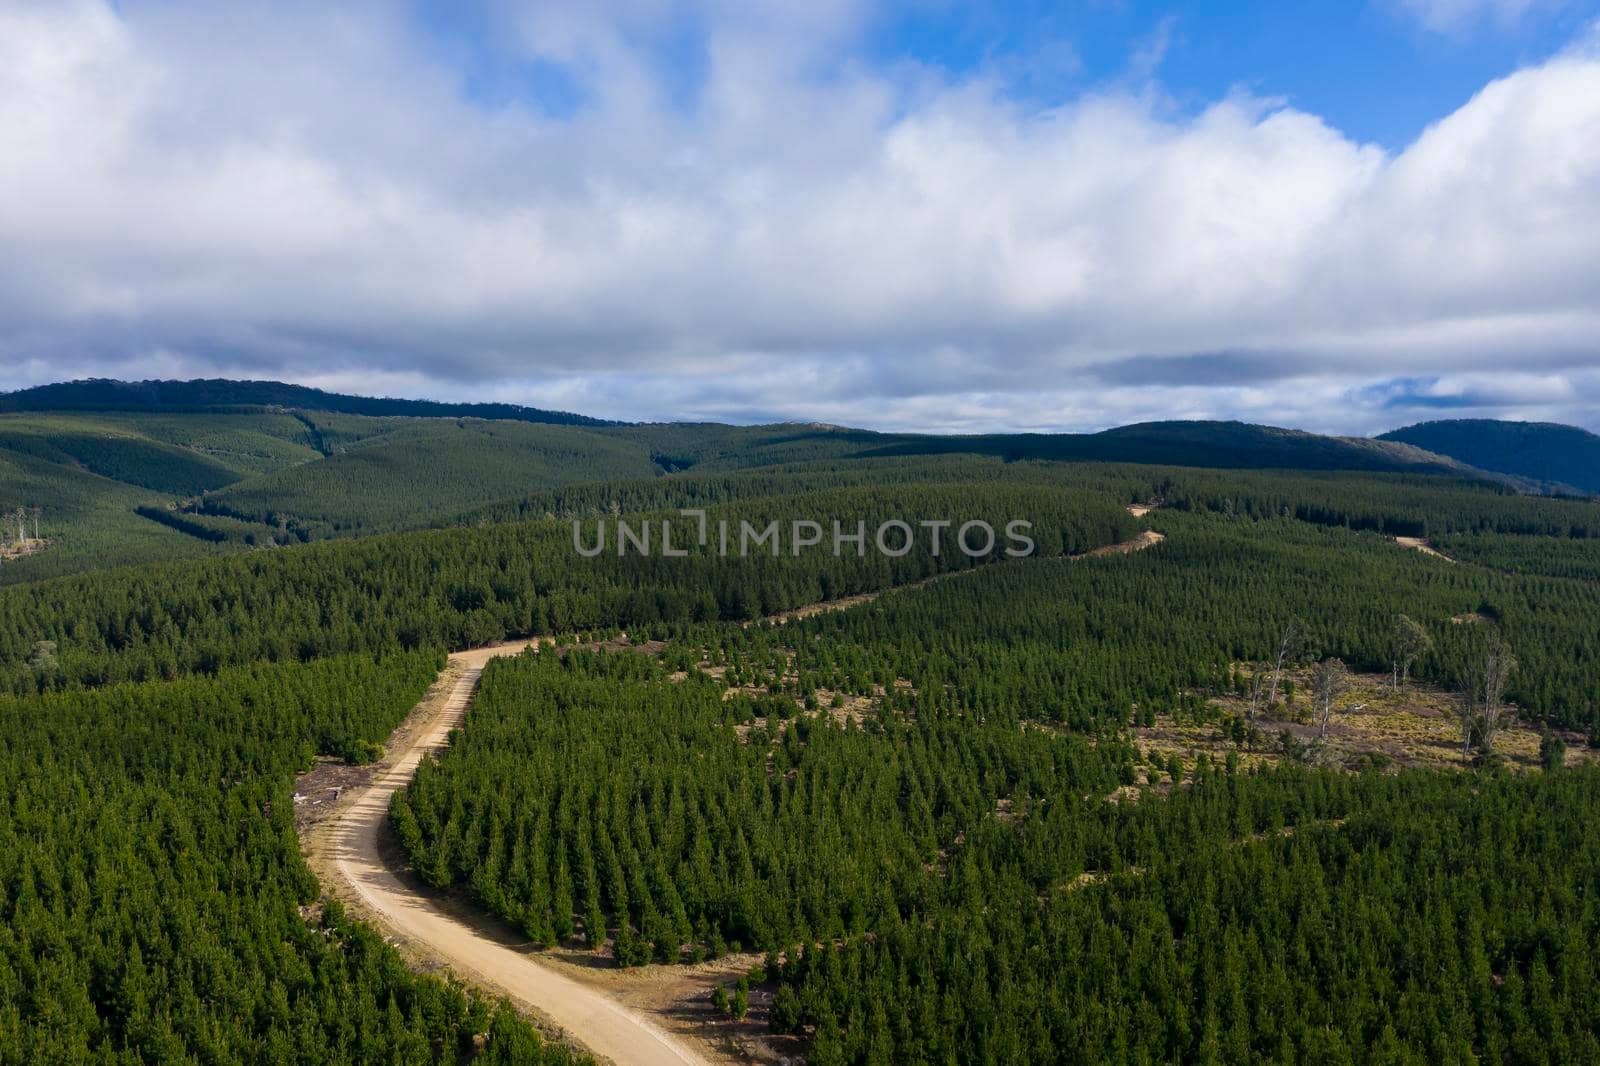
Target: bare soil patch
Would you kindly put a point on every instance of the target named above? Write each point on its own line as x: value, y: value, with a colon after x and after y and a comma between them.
x: 1147, y: 539
x: 680, y: 998
x: 1420, y: 544
x: 317, y: 791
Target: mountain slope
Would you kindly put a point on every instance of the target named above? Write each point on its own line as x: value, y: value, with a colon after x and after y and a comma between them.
x: 1543, y: 451
x: 88, y: 521
x: 104, y: 394
x: 1233, y: 445
x: 125, y: 472
x: 716, y: 446
x: 92, y: 475
x: 1237, y: 445
x: 424, y: 471
x: 124, y: 487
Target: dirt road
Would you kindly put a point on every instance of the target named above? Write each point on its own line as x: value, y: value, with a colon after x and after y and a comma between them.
x: 1421, y: 545
x: 349, y: 844
x: 345, y: 850
x: 1147, y: 539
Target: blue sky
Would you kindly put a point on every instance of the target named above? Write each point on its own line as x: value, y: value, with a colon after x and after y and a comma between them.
x: 1374, y: 70
x: 1379, y: 70
x: 912, y: 215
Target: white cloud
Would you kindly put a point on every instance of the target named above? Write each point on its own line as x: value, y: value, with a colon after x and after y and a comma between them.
x: 280, y: 191
x: 1455, y: 16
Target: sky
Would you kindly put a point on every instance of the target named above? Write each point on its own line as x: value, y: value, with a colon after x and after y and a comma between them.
x: 920, y: 215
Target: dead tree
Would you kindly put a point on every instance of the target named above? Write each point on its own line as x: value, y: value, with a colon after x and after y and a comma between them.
x: 1482, y: 700
x: 1408, y: 642
x: 22, y: 530
x: 1329, y: 680
x: 1288, y: 651
x: 1255, y: 696
x: 36, y: 523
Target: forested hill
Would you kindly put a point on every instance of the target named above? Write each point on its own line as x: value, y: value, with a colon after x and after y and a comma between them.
x: 123, y: 473
x: 680, y: 445
x: 1226, y: 445
x: 1543, y: 451
x: 103, y: 394
x: 1235, y: 445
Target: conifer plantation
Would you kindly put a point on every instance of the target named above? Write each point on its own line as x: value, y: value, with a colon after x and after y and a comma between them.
x: 941, y: 877
x: 800, y: 578
x: 931, y: 814
x: 153, y: 903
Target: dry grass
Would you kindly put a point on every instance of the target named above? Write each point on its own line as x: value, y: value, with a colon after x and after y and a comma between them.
x: 679, y: 998
x: 1416, y: 727
x: 17, y: 549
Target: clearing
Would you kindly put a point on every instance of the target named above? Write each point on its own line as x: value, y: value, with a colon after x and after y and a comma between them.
x: 18, y: 548
x: 1372, y: 724
x: 1421, y: 544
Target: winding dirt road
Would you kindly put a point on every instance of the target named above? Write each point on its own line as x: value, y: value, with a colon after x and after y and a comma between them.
x: 346, y: 852
x: 348, y: 846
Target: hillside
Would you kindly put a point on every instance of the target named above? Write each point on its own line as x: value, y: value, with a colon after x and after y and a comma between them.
x: 1542, y: 451
x: 86, y: 521
x: 1230, y: 445
x: 1227, y: 445
x: 133, y: 472
x: 676, y: 446
x: 424, y: 471
x: 121, y: 487
x: 104, y: 394
x: 89, y: 474
x: 1037, y: 767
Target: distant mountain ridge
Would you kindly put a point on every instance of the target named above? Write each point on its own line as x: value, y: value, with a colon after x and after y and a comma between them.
x: 130, y: 472
x: 682, y: 445
x: 1547, y: 452
x: 106, y: 394
x: 1240, y: 445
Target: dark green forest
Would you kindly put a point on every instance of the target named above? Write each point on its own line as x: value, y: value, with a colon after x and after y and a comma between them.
x: 152, y: 892
x: 904, y: 806
x: 462, y: 588
x: 936, y: 884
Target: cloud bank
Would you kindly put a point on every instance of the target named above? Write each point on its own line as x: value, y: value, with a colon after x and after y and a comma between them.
x: 322, y: 195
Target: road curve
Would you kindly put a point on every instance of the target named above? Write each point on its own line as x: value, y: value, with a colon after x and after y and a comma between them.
x: 348, y: 845
x: 603, y: 1026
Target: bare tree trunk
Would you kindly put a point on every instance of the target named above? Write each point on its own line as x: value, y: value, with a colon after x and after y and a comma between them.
x: 1498, y: 664
x: 1483, y: 701
x: 1329, y: 680
x: 1284, y: 646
